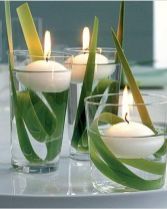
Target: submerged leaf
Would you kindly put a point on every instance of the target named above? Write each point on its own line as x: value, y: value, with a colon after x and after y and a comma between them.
x: 114, y: 168
x: 80, y: 121
x: 24, y: 141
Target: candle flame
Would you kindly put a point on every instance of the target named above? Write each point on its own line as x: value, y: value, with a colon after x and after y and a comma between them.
x: 85, y: 38
x: 125, y: 102
x: 47, y: 45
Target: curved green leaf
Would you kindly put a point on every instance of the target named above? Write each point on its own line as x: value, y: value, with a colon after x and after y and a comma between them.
x: 58, y: 104
x: 80, y: 121
x: 100, y: 89
x: 24, y: 141
x: 113, y: 168
x: 39, y: 120
x: 146, y: 165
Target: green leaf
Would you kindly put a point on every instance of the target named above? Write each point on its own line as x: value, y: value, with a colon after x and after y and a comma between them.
x: 29, y: 31
x: 146, y: 165
x: 79, y: 126
x: 24, y: 141
x: 102, y: 86
x: 9, y: 32
x: 58, y: 104
x: 133, y: 85
x: 40, y: 121
x: 113, y: 168
x: 120, y: 27
x: 120, y: 34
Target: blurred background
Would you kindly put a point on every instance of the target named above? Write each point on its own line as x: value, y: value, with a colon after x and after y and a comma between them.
x: 66, y: 20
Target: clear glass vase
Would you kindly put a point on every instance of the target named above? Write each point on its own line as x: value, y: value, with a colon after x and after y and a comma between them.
x: 106, y: 79
x: 127, y: 151
x: 39, y: 92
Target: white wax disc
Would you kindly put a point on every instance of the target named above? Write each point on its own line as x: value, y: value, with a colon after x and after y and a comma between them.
x: 45, y: 76
x: 133, y: 140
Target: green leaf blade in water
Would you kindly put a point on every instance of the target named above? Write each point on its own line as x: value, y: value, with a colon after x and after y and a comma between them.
x: 24, y: 141
x: 114, y: 168
x: 58, y: 104
x: 101, y: 87
x: 79, y: 126
x: 39, y: 120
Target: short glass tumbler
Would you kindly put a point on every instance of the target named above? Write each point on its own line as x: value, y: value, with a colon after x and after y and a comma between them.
x: 106, y: 79
x: 127, y: 142
x: 39, y: 92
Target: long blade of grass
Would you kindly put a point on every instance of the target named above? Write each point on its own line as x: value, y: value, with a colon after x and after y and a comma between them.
x: 120, y: 35
x: 9, y: 31
x: 120, y: 27
x: 79, y: 127
x: 29, y: 30
x: 24, y: 141
x: 133, y: 85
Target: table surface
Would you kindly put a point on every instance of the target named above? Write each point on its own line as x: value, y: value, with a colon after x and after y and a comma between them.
x: 70, y: 186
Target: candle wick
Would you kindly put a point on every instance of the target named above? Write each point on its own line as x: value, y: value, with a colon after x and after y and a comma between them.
x: 86, y: 50
x: 47, y: 57
x: 99, y: 50
x: 126, y: 118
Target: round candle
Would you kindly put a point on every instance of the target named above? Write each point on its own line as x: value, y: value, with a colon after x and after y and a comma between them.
x: 45, y: 75
x: 131, y: 139
x: 102, y: 67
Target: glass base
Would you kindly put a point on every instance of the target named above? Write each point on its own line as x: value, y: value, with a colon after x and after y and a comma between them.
x: 111, y: 187
x: 80, y: 156
x: 27, y: 168
x: 103, y: 184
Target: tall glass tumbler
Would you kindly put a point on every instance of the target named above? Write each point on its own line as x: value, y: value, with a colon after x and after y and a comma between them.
x: 39, y: 95
x: 106, y: 79
x: 127, y: 142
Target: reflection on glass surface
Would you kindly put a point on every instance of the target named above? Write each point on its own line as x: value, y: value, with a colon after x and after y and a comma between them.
x: 54, y: 183
x: 72, y: 178
x: 79, y: 177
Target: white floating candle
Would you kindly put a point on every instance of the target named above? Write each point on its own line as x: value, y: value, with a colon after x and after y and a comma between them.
x: 45, y: 75
x: 102, y: 68
x: 131, y: 140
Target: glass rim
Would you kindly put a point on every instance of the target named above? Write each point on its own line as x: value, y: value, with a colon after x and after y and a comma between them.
x: 110, y: 62
x: 54, y: 53
x: 153, y: 136
x: 161, y: 102
x: 79, y: 49
x: 42, y: 71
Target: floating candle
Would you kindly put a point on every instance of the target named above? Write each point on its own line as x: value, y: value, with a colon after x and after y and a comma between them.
x: 45, y: 75
x: 102, y: 67
x: 131, y: 139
